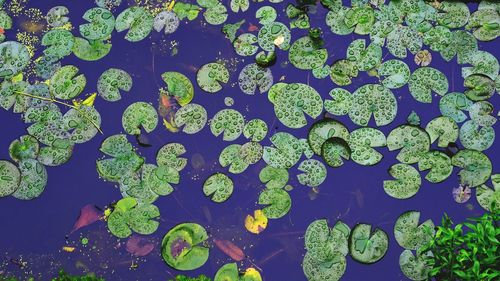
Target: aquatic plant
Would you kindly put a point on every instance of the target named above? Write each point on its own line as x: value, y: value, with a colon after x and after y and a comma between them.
x: 465, y: 251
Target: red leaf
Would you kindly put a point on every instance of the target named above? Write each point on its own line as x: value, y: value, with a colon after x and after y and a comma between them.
x: 230, y: 249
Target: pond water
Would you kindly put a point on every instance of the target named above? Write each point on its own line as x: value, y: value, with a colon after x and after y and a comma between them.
x: 34, y: 232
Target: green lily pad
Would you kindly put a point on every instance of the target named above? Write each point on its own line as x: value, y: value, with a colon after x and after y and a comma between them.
x: 304, y: 54
x: 412, y: 140
x: 342, y: 71
x: 10, y: 178
x: 218, y: 187
x: 366, y: 246
x: 453, y: 104
x: 285, y: 153
x: 183, y: 246
x: 362, y: 142
x: 396, y: 72
x: 179, y: 86
x: 426, y: 80
x: 101, y: 24
x: 137, y: 20
x: 66, y: 84
x: 406, y: 183
x: 475, y: 167
x: 365, y: 57
x: 26, y: 147
x: 415, y: 268
x: 82, y: 124
x: 439, y: 164
x: 192, y: 116
x: 323, y: 130
x: 227, y: 121
x: 273, y: 33
x: 334, y: 150
x: 227, y: 272
x: 168, y: 156
x: 255, y: 129
x: 253, y: 76
x: 90, y: 50
x: 15, y: 57
x: 274, y: 177
x: 58, y: 43
x: 210, y: 75
x: 216, y: 14
x: 314, y: 173
x: 373, y: 99
x: 111, y: 82
x: 33, y: 180
x: 139, y: 115
x: 277, y: 201
x: 295, y: 100
x: 411, y: 235
x: 472, y: 136
x: 341, y: 102
x: 443, y: 129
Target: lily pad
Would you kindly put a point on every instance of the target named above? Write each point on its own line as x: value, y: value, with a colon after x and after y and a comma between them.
x: 373, y: 99
x: 192, y: 116
x: 210, y: 75
x: 10, y: 178
x: 366, y: 246
x: 253, y: 76
x: 293, y: 101
x: 33, y: 180
x: 411, y: 235
x: 475, y: 167
x: 182, y: 247
x: 219, y: 187
x: 111, y: 82
x: 426, y: 80
x: 439, y: 165
x: 278, y: 203
x: 139, y: 115
x: 406, y: 184
x: 227, y: 121
x: 314, y: 173
x: 137, y: 20
x: 412, y: 140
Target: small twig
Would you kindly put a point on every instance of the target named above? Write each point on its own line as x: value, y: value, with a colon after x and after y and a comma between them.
x: 65, y: 104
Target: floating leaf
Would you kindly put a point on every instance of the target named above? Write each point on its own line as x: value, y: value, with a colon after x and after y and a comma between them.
x: 406, y: 184
x: 216, y: 14
x: 266, y: 15
x: 228, y: 271
x: 227, y: 121
x: 439, y: 164
x: 253, y: 76
x: 255, y: 129
x: 33, y: 180
x: 488, y: 198
x: 443, y: 129
x: 472, y: 136
x: 237, y: 5
x: 362, y: 141
x: 257, y: 223
x: 192, y: 116
x: 182, y: 246
x: 485, y: 24
x: 168, y: 156
x: 409, y: 234
x: 424, y: 81
x: 361, y: 18
x: 452, y: 14
x: 476, y: 167
x: 480, y: 113
x: 397, y: 73
x: 66, y: 84
x: 82, y: 124
x: 271, y: 33
x: 90, y: 50
x: 336, y: 20
x: 323, y: 130
x: 334, y: 150
x: 210, y: 75
x: 27, y: 147
x: 15, y: 57
x: 137, y: 20
x: 412, y: 140
x: 373, y: 99
x: 179, y: 86
x: 415, y: 268
x: 111, y: 82
x: 278, y: 202
x: 10, y: 178
x: 166, y: 21
x: 58, y: 43
x: 304, y: 54
x: 341, y: 102
x: 483, y: 63
x: 342, y: 71
x: 401, y: 39
x: 102, y: 24
x: 219, y: 187
x: 293, y: 101
x: 314, y: 173
x: 139, y: 115
x: 364, y: 57
x: 274, y: 177
x: 57, y: 16
x: 366, y: 246
x: 453, y: 104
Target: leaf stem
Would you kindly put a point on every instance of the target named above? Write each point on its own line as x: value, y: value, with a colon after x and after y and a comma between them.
x: 65, y: 104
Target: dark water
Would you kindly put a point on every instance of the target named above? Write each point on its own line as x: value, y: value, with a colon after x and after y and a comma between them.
x: 34, y: 231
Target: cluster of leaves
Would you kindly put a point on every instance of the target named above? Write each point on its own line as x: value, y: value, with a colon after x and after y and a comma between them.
x: 465, y: 251
x: 64, y: 276
x: 327, y: 248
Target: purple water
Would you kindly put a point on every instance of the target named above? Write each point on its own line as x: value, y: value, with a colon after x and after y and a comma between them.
x: 35, y: 231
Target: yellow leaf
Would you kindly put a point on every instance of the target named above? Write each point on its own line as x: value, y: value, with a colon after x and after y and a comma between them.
x: 252, y: 274
x: 257, y: 223
x: 171, y: 5
x: 68, y: 249
x: 19, y: 77
x: 170, y: 126
x: 107, y: 212
x: 90, y: 100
